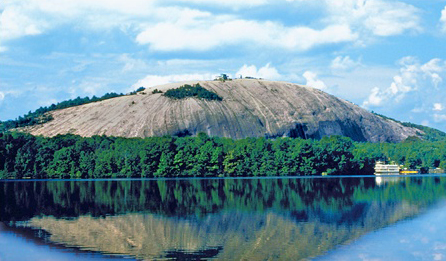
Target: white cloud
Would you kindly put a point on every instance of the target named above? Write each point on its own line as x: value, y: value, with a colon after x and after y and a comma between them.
x: 16, y: 21
x: 343, y: 63
x: 356, y: 83
x: 375, y: 98
x: 432, y: 69
x: 313, y: 81
x: 412, y: 78
x: 72, y: 8
x: 377, y: 17
x: 392, y: 19
x: 155, y: 80
x: 415, y: 93
x: 164, y: 27
x: 266, y: 72
x: 167, y: 26
x: 33, y: 17
x: 2, y: 96
x: 205, y: 34
x: 443, y: 19
x: 438, y: 107
x: 230, y: 3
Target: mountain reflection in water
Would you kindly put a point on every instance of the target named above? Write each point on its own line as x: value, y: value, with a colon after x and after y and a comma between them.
x: 215, y: 218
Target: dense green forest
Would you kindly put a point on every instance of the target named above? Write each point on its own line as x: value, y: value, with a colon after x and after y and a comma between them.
x: 192, y: 91
x: 70, y: 156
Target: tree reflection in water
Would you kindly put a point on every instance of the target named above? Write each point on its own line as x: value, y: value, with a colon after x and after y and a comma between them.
x: 226, y: 218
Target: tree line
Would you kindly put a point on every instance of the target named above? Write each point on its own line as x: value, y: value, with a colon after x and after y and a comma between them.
x: 70, y: 156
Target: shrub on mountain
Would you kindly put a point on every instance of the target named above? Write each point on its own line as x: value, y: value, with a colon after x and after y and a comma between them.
x: 195, y: 91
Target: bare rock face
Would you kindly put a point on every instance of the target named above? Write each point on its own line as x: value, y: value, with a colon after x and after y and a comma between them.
x: 250, y: 108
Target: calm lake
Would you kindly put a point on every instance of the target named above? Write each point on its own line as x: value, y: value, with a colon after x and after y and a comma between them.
x: 379, y: 218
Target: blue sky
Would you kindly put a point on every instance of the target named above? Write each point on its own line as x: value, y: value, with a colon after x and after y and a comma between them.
x: 386, y: 56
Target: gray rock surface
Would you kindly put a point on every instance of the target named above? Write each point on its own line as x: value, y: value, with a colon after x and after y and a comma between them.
x: 250, y: 108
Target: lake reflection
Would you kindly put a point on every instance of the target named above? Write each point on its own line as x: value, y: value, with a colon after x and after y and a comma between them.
x: 251, y: 219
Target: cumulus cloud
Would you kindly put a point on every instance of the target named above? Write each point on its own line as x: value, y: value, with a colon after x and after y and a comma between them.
x: 412, y: 78
x: 438, y: 107
x: 206, y: 34
x: 265, y: 72
x: 415, y: 93
x: 229, y: 3
x: 343, y: 63
x: 17, y: 21
x: 169, y: 26
x: 443, y: 19
x: 155, y: 80
x: 165, y: 27
x: 313, y: 81
x: 375, y: 98
x: 432, y: 69
x: 380, y: 18
x: 33, y: 17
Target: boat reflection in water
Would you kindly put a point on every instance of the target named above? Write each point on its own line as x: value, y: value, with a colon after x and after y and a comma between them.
x: 382, y: 180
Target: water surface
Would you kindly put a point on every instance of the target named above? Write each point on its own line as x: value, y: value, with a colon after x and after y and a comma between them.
x: 253, y: 219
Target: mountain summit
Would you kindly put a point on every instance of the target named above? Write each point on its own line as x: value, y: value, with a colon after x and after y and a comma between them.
x: 240, y: 108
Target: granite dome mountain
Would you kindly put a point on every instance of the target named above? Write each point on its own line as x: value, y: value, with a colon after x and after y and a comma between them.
x: 247, y: 108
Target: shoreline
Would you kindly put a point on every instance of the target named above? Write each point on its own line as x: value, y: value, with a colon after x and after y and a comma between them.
x: 230, y: 178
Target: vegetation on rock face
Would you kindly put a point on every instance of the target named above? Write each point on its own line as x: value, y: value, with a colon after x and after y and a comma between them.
x: 430, y: 134
x: 195, y: 90
x: 140, y: 89
x: 39, y: 116
x: 29, y: 119
x: 70, y: 156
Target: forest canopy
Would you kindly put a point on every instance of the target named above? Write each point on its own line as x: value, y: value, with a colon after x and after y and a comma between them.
x: 70, y: 156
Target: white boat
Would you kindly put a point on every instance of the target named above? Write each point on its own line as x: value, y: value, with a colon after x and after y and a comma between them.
x: 386, y: 169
